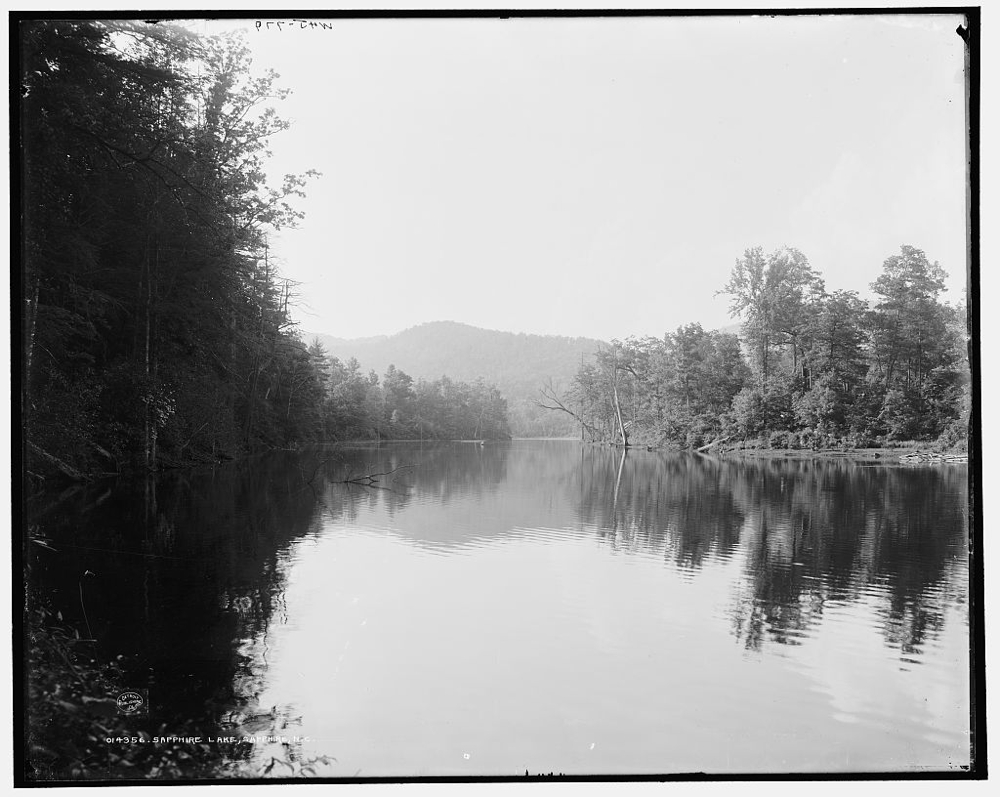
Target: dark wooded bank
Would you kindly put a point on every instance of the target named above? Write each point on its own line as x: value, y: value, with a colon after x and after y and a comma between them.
x: 156, y: 328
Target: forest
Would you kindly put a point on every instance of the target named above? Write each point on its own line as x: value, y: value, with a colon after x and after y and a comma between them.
x: 518, y: 363
x: 810, y: 368
x: 157, y: 329
x: 156, y: 326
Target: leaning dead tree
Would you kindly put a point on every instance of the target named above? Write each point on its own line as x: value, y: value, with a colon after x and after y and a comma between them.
x: 549, y: 400
x: 615, y: 375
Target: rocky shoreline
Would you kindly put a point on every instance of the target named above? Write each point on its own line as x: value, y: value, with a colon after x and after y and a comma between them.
x: 881, y: 455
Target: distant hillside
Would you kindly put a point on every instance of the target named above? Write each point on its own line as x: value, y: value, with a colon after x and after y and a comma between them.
x: 518, y: 364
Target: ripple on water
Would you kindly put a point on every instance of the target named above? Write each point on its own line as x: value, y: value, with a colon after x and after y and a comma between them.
x: 531, y: 609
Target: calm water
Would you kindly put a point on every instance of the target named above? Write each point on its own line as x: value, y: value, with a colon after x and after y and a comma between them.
x: 537, y: 606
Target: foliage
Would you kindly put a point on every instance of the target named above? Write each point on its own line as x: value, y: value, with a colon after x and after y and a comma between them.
x: 814, y: 369
x: 156, y: 326
x: 155, y: 323
x: 518, y: 364
x: 357, y: 406
x: 774, y: 294
x: 72, y: 715
x: 914, y: 348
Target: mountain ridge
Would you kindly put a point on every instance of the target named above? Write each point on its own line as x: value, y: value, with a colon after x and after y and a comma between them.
x: 519, y: 363
x: 446, y: 323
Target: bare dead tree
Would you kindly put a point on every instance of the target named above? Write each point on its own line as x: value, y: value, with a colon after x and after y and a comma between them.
x: 549, y: 400
x: 622, y: 427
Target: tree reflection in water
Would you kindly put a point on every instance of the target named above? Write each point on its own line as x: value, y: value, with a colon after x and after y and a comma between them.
x: 191, y: 567
x: 812, y: 532
x: 186, y: 567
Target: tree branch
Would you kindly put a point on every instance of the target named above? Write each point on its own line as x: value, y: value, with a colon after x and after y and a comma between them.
x: 371, y: 479
x: 548, y: 393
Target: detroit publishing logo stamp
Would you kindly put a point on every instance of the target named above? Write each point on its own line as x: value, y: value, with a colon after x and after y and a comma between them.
x: 130, y: 702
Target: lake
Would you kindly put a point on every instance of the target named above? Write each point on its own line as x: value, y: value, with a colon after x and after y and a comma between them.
x: 533, y: 606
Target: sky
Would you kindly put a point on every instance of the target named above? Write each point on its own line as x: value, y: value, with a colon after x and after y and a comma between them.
x: 600, y: 177
x: 880, y: 134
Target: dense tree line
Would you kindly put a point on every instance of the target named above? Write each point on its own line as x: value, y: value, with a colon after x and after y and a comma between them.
x: 354, y: 405
x: 156, y: 327
x: 810, y: 368
x: 516, y: 362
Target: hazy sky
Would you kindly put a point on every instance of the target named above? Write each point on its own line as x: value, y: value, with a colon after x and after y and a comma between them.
x: 600, y: 177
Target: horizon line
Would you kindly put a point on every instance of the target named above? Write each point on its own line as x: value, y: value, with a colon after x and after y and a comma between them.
x: 313, y: 333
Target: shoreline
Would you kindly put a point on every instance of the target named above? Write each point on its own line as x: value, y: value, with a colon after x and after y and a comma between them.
x: 909, y: 454
x: 904, y: 454
x: 874, y: 455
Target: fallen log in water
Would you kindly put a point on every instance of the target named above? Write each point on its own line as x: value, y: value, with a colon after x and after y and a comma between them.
x: 371, y: 479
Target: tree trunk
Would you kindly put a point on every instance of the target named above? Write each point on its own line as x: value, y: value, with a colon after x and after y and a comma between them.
x: 618, y: 483
x: 618, y: 409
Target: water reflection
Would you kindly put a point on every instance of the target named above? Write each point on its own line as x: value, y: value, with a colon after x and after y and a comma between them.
x: 813, y: 531
x: 183, y: 567
x: 680, y: 503
x: 820, y: 532
x: 194, y: 573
